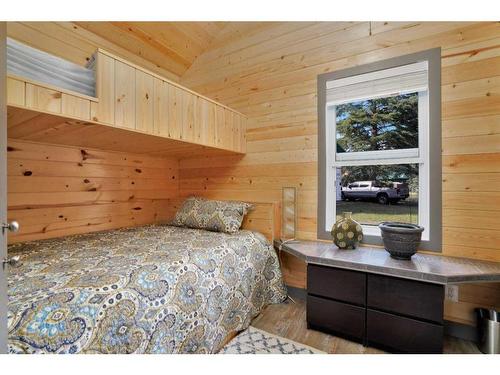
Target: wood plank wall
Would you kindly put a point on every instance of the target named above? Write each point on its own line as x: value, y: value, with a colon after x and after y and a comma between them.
x: 60, y: 190
x: 74, y: 43
x: 270, y: 75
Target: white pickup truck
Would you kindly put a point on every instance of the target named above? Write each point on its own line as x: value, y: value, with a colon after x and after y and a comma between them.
x: 383, y: 193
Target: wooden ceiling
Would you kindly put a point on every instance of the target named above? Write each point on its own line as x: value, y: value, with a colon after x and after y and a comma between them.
x: 172, y: 45
x: 166, y: 48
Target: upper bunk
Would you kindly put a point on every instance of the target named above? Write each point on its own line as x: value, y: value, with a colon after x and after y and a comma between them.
x: 112, y: 104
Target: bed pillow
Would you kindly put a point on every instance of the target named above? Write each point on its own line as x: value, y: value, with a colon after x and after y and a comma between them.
x: 215, y: 216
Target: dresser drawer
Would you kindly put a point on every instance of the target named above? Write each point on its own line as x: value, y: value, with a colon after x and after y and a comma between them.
x: 336, y: 317
x: 339, y: 284
x: 403, y: 334
x: 406, y: 297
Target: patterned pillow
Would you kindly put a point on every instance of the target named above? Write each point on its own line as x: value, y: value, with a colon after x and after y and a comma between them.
x: 215, y: 216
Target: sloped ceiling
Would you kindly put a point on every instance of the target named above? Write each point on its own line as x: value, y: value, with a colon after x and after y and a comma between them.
x: 172, y: 45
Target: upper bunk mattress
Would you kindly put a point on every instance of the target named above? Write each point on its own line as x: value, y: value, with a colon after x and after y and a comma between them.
x: 152, y: 289
x: 25, y: 61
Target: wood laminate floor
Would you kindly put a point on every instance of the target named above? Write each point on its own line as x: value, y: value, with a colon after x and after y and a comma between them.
x: 288, y: 320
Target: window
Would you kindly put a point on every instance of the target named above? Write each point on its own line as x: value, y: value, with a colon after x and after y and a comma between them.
x: 393, y: 196
x: 380, y: 149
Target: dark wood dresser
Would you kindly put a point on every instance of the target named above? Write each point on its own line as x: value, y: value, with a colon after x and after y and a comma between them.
x: 367, y: 296
x: 388, y: 312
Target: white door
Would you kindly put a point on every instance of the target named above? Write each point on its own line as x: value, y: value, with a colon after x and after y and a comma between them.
x: 3, y: 191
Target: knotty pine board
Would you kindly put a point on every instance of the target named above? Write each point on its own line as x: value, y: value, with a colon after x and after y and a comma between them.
x: 270, y: 76
x: 56, y: 190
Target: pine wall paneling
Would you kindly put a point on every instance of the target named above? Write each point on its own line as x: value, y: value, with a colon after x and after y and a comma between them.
x: 60, y: 190
x: 270, y: 76
x: 172, y: 45
x: 77, y: 44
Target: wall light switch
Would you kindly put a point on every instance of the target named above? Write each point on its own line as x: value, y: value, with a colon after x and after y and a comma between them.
x: 451, y: 293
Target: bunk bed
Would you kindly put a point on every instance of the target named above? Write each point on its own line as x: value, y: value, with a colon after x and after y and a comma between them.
x: 114, y: 105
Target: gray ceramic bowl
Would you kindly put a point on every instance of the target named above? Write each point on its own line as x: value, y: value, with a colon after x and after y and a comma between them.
x: 401, y: 240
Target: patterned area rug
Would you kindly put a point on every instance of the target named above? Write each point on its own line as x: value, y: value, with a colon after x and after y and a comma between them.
x: 255, y: 341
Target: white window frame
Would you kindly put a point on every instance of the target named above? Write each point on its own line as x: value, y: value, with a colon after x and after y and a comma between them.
x: 418, y: 156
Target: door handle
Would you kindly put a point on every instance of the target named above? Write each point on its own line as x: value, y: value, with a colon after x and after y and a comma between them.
x: 13, y: 226
x: 14, y: 261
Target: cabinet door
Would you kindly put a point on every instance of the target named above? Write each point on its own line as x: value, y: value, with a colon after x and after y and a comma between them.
x: 75, y: 107
x: 343, y: 285
x: 174, y: 112
x: 336, y: 317
x: 211, y: 123
x: 227, y: 137
x: 124, y: 95
x: 407, y: 297
x: 243, y: 134
x: 236, y: 132
x: 200, y: 121
x: 219, y: 126
x: 104, y: 110
x: 144, y: 101
x: 43, y: 99
x: 160, y: 121
x: 187, y: 131
x: 403, y: 334
x: 15, y: 92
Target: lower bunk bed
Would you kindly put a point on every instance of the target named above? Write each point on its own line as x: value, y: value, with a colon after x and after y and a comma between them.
x: 151, y: 289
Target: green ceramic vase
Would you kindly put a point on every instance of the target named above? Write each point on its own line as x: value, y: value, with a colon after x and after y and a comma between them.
x: 346, y: 232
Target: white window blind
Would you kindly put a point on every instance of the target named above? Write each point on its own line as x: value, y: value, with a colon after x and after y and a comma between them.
x: 395, y: 81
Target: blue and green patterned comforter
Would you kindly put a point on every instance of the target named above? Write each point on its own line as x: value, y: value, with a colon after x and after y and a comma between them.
x: 153, y: 289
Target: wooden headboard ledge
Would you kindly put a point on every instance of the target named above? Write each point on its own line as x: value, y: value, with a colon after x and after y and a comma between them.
x: 265, y: 217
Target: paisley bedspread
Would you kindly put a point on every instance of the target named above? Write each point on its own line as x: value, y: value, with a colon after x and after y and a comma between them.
x: 152, y: 289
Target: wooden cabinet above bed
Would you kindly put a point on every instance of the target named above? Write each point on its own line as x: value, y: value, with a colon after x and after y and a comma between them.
x: 135, y: 110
